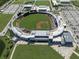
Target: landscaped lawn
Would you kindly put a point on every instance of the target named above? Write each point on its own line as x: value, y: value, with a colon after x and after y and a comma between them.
x: 38, y: 2
x: 35, y: 52
x: 47, y: 3
x: 4, y: 19
x: 21, y: 1
x: 75, y: 2
x: 77, y: 50
x: 73, y: 56
x: 6, y: 45
x: 3, y: 2
x: 34, y: 22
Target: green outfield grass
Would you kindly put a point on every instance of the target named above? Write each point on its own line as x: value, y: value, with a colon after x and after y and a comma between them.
x: 4, y: 19
x: 35, y: 52
x: 47, y: 3
x: 73, y: 56
x: 34, y: 22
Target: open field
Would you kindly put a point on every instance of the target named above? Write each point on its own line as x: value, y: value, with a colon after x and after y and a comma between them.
x: 42, y: 3
x: 35, y: 52
x: 21, y: 1
x: 74, y: 56
x: 4, y: 19
x: 34, y: 22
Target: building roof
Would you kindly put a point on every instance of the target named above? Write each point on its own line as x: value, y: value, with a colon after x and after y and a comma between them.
x: 58, y: 39
x: 64, y: 0
x: 40, y: 33
x: 67, y: 37
x: 27, y: 5
x: 55, y: 2
x: 14, y: 38
x: 42, y: 7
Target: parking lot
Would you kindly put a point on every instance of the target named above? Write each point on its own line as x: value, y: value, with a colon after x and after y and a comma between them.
x: 11, y: 9
x: 71, y: 17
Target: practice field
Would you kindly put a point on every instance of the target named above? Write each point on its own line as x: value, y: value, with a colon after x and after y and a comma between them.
x: 34, y: 22
x: 35, y: 52
x: 47, y: 3
x: 4, y: 19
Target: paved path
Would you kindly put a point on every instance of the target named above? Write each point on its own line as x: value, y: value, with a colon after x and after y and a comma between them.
x: 76, y: 53
x: 18, y: 43
x: 13, y: 51
x: 51, y: 6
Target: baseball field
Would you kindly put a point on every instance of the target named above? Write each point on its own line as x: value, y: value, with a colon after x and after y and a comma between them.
x: 34, y: 22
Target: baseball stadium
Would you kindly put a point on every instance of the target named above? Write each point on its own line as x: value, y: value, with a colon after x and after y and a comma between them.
x: 37, y: 23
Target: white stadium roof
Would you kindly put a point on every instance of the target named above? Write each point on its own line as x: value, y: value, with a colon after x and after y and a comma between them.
x: 58, y: 39
x: 64, y: 0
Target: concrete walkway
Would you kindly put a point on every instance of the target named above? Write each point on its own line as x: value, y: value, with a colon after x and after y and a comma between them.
x: 66, y: 52
x: 13, y: 51
x: 76, y: 53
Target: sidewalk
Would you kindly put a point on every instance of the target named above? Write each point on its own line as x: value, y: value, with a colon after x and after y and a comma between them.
x: 76, y: 53
x: 13, y: 51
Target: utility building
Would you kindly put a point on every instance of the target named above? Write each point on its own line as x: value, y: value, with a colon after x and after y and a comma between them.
x: 68, y: 38
x: 64, y: 0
